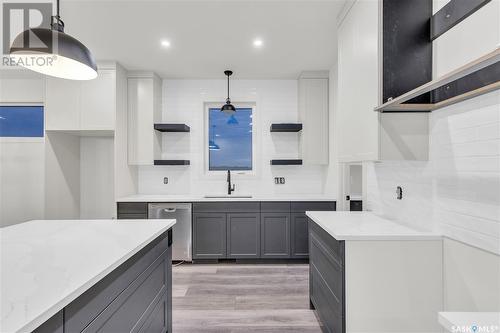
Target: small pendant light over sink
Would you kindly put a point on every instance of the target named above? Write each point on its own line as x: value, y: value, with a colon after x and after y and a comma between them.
x: 228, y: 108
x: 65, y: 56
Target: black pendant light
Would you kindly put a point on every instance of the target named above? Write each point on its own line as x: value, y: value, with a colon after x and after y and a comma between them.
x: 228, y: 108
x: 64, y: 56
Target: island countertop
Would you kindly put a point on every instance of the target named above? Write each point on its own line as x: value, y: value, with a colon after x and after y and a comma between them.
x: 350, y: 226
x: 46, y: 264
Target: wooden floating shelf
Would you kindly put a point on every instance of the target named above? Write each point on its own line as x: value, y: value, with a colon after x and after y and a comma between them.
x: 287, y: 162
x: 172, y: 162
x: 286, y: 127
x: 491, y: 59
x: 172, y: 128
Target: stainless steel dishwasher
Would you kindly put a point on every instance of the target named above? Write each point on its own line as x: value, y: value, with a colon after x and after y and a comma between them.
x: 181, y: 247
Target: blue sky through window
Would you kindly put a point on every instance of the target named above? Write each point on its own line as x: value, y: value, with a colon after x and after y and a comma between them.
x: 230, y: 140
x: 21, y: 121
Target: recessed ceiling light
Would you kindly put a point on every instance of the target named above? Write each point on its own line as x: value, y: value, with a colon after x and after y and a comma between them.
x: 165, y: 43
x: 258, y: 42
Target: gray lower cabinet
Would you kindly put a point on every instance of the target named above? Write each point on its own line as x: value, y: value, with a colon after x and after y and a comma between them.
x: 275, y: 235
x: 243, y: 235
x: 244, y: 229
x: 356, y: 205
x: 135, y: 297
x: 132, y: 210
x: 299, y: 236
x: 209, y: 235
x: 53, y: 325
x: 251, y: 230
x: 327, y: 279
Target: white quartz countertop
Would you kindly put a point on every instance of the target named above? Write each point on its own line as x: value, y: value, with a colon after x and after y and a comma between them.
x: 366, y: 226
x: 46, y: 264
x: 233, y: 197
x: 470, y: 321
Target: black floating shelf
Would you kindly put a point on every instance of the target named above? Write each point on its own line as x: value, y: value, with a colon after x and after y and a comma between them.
x: 171, y: 162
x: 286, y: 127
x: 286, y: 162
x: 172, y: 127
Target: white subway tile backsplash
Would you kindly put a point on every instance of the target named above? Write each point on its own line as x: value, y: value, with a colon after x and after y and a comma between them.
x: 276, y: 101
x: 479, y: 240
x: 458, y: 190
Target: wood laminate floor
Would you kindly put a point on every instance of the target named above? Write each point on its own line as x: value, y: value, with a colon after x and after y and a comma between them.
x: 236, y: 298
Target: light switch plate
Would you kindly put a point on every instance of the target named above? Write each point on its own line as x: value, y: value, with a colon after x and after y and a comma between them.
x: 165, y: 180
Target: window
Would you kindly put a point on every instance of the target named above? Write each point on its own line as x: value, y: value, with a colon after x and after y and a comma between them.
x: 21, y: 121
x: 230, y: 140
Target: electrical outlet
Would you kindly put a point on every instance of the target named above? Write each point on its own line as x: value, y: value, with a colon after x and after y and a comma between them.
x: 279, y: 180
x: 165, y: 180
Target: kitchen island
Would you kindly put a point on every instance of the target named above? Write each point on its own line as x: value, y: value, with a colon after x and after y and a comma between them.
x: 370, y: 274
x: 86, y: 275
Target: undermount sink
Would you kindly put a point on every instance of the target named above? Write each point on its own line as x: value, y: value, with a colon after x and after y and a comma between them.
x: 228, y: 196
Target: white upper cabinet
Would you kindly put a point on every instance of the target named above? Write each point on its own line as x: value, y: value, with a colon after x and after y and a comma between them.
x: 363, y: 134
x: 313, y: 113
x: 144, y: 109
x: 358, y: 83
x: 62, y: 104
x: 98, y: 101
x: 81, y: 105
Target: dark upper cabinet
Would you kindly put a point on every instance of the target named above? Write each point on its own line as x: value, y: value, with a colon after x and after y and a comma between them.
x: 243, y: 235
x: 299, y: 236
x: 275, y: 235
x: 209, y: 235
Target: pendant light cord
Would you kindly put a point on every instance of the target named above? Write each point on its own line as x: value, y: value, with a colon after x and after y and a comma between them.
x: 228, y: 87
x: 57, y: 23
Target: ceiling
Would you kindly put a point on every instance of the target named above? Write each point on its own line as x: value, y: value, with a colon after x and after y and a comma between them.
x: 208, y: 36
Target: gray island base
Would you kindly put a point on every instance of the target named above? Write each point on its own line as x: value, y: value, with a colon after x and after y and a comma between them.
x: 135, y: 297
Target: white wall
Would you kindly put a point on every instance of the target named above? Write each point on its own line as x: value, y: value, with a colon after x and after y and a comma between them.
x: 356, y: 181
x: 276, y: 101
x: 40, y: 177
x: 62, y: 176
x: 21, y: 180
x: 96, y: 178
x: 21, y: 159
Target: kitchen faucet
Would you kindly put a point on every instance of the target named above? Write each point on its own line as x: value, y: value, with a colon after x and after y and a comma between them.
x: 229, y: 187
